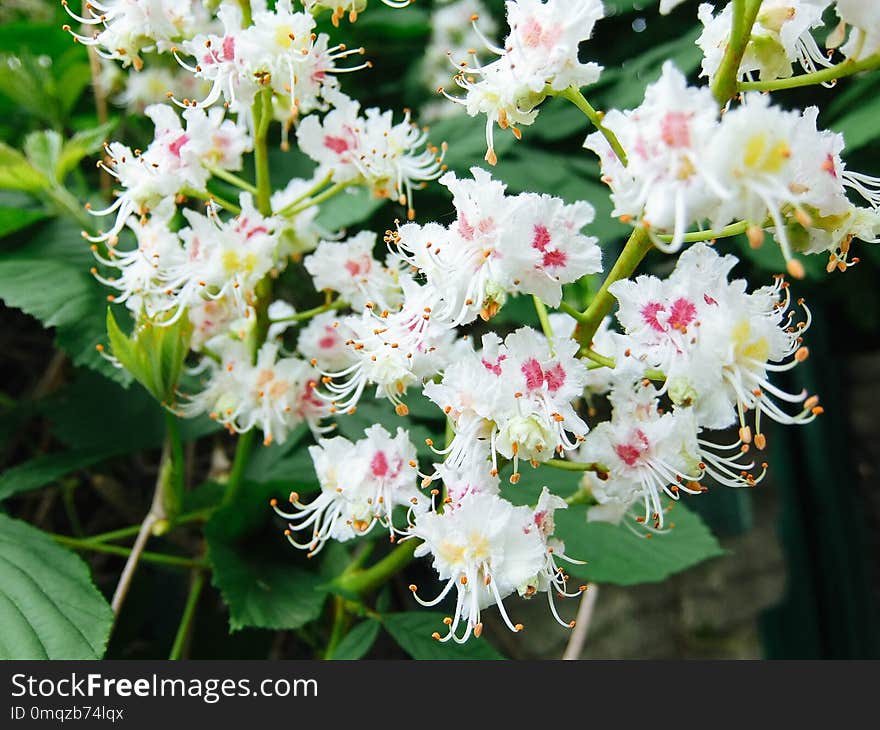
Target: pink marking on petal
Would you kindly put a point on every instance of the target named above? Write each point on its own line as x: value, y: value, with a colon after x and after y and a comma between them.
x: 229, y: 48
x: 649, y: 314
x: 541, y: 238
x: 494, y: 368
x: 379, y: 464
x: 336, y: 144
x: 675, y: 130
x: 708, y: 299
x: 531, y: 368
x: 554, y: 259
x: 174, y: 147
x: 554, y: 377
x: 682, y: 313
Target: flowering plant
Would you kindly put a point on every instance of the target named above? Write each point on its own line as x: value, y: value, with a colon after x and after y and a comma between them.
x: 390, y: 393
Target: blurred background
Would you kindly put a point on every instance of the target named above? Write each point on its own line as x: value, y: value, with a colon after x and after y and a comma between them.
x: 800, y: 577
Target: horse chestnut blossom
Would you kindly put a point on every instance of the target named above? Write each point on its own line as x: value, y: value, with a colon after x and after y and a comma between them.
x: 371, y: 150
x: 487, y: 549
x: 177, y: 159
x: 515, y: 396
x: 539, y: 56
x: 780, y: 37
x: 422, y: 321
x: 127, y: 28
x: 757, y: 164
x: 348, y: 268
x: 361, y: 484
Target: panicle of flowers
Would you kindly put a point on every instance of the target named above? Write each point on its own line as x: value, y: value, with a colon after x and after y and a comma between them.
x: 539, y: 57
x: 646, y: 453
x: 391, y: 159
x: 210, y: 259
x: 361, y: 485
x: 124, y: 29
x: 273, y: 393
x: 759, y: 164
x: 716, y: 343
x: 780, y: 38
x: 179, y: 158
x: 278, y: 51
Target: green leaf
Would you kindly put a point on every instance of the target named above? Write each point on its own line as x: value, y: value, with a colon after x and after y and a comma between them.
x: 154, y: 355
x: 348, y: 208
x: 624, y: 556
x: 859, y: 127
x: 16, y: 173
x: 261, y: 578
x: 82, y: 144
x: 413, y: 630
x: 49, y: 607
x: 358, y: 641
x: 62, y: 295
x: 14, y: 219
x: 44, y: 470
x: 43, y: 151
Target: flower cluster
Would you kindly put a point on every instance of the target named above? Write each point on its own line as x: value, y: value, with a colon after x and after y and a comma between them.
x: 539, y: 56
x: 758, y: 164
x: 782, y: 37
x: 685, y: 358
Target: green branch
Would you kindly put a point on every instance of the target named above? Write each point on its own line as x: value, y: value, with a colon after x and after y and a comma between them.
x: 724, y: 87
x: 310, y: 313
x: 189, y: 611
x: 148, y: 557
x: 832, y: 73
x: 364, y: 581
x: 575, y: 96
x: 634, y: 251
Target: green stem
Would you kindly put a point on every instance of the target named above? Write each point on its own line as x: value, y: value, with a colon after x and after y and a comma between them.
x: 575, y: 96
x: 262, y: 117
x: 239, y: 465
x: 337, y: 632
x: 832, y: 73
x: 307, y: 194
x: 576, y: 466
x: 544, y: 319
x: 582, y: 496
x: 734, y: 229
x: 233, y: 179
x: 724, y: 87
x: 634, y: 251
x: 364, y: 581
x: 189, y: 611
x: 212, y: 197
x: 246, y: 16
x: 330, y: 192
x: 174, y: 488
x: 147, y: 557
x: 600, y: 360
x: 126, y: 532
x: 310, y: 313
x: 569, y: 309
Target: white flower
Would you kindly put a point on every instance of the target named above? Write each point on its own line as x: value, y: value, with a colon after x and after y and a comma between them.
x: 324, y: 342
x: 361, y: 484
x: 864, y: 37
x: 392, y: 159
x: 540, y: 54
x: 129, y: 27
x: 279, y: 51
x: 515, y: 397
x: 348, y: 267
x: 665, y: 182
x: 273, y: 394
x: 486, y: 549
x: 780, y: 37
x: 391, y: 350
x: 715, y: 343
